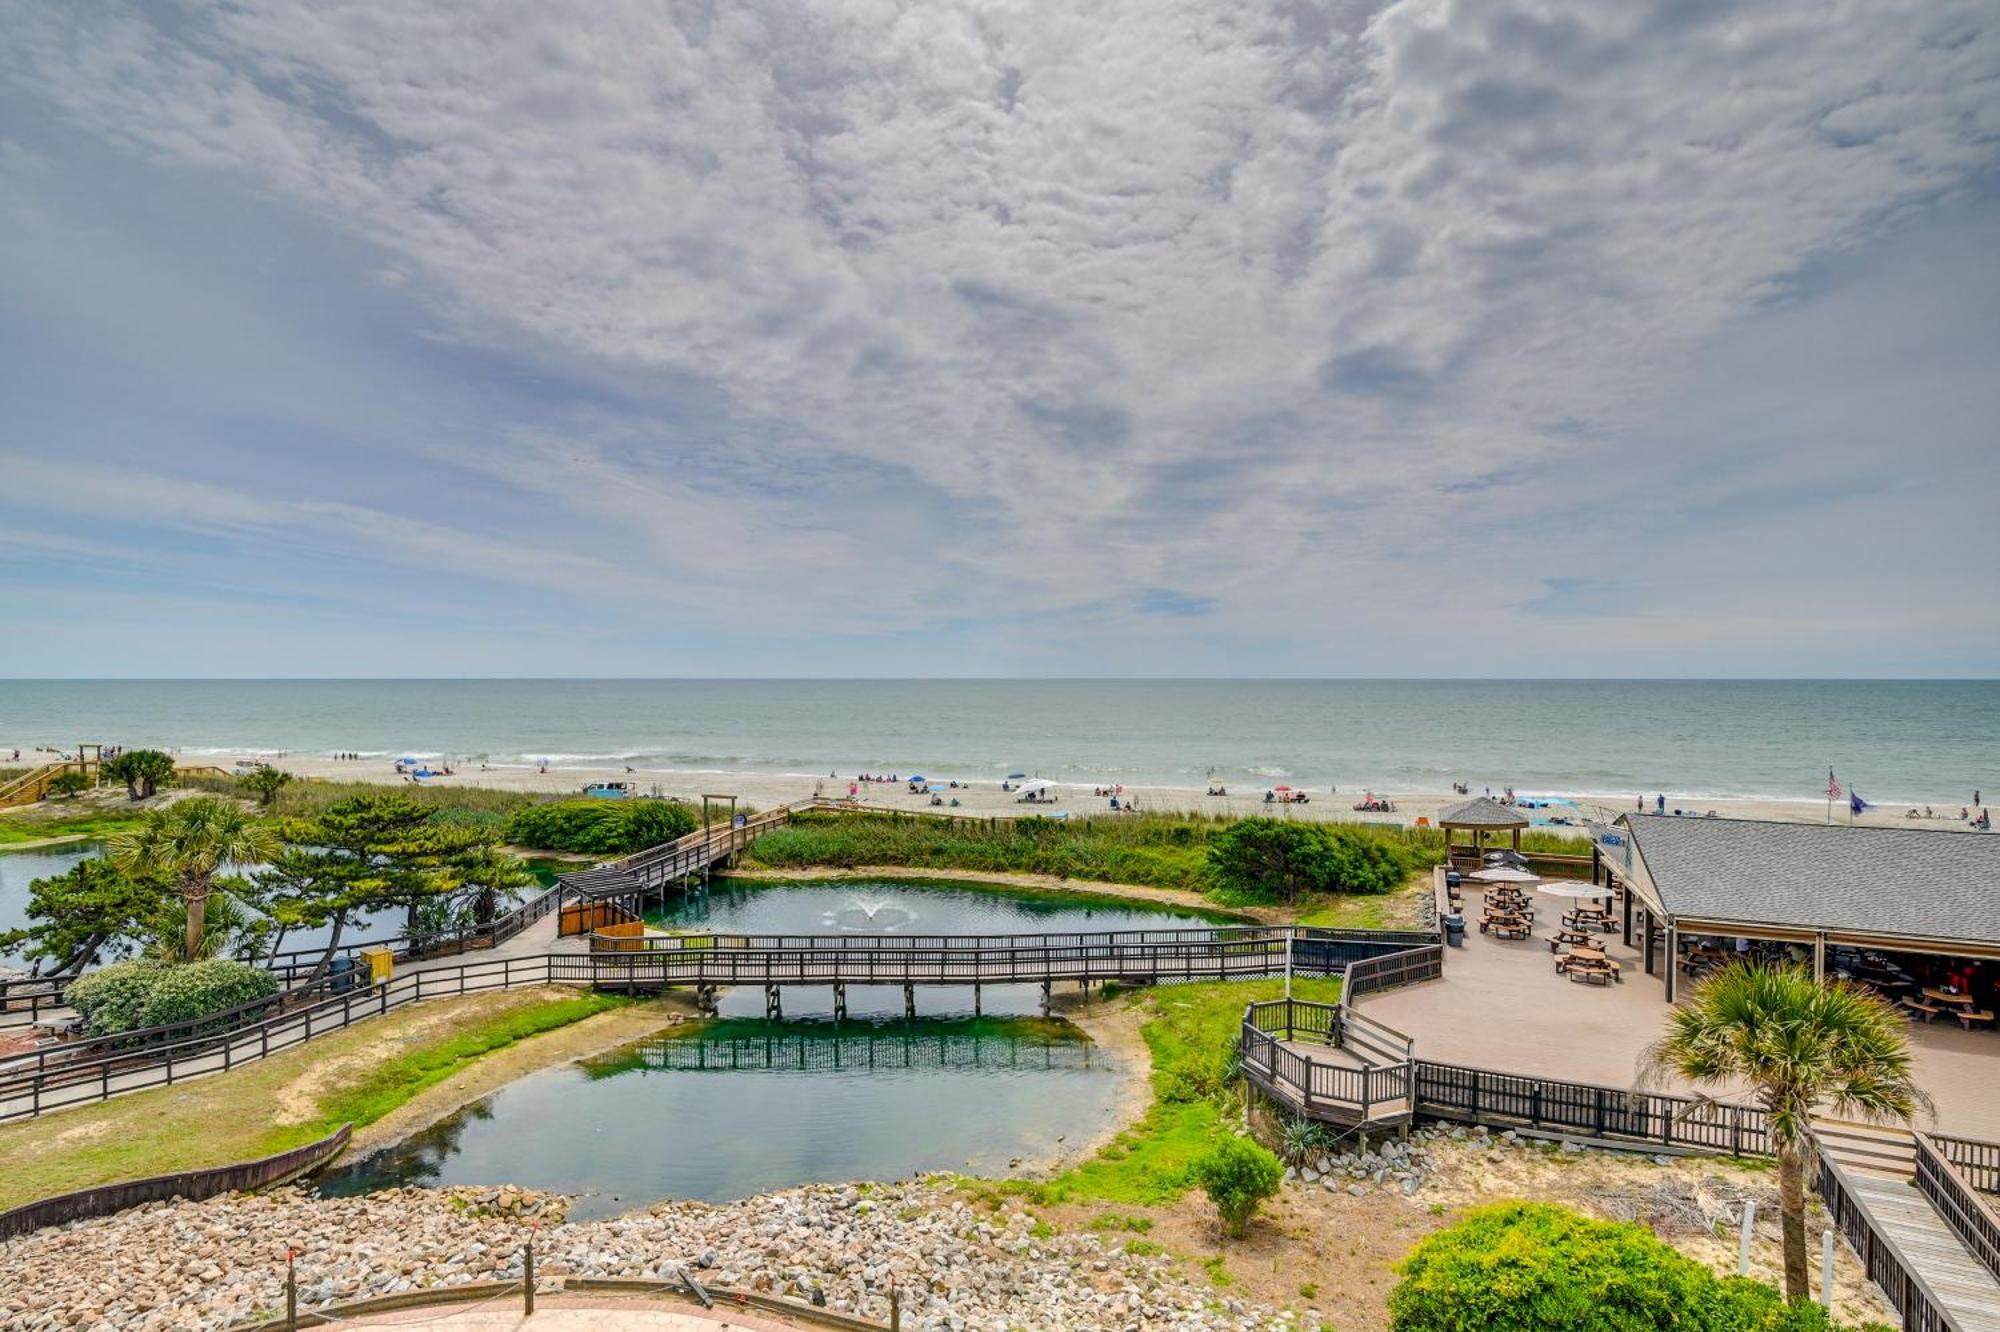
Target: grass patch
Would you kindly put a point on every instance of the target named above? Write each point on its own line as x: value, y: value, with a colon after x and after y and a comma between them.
x: 1191, y: 1032
x: 227, y: 1118
x: 63, y: 819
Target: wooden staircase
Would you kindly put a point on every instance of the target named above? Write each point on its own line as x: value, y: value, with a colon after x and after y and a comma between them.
x: 1868, y: 1151
x: 32, y: 787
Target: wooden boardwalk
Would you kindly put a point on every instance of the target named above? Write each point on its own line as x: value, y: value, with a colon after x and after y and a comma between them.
x: 1969, y: 1293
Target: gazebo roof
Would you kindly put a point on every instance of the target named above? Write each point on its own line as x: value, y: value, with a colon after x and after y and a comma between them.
x: 1482, y: 812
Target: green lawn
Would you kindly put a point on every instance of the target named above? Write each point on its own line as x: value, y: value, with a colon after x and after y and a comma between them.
x: 218, y: 1120
x: 1191, y: 1033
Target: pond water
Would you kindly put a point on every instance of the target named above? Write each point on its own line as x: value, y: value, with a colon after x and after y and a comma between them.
x: 727, y: 1108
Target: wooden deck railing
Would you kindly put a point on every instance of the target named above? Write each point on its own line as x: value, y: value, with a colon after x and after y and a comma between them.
x: 1484, y: 1096
x: 1881, y: 1258
x: 1968, y: 1214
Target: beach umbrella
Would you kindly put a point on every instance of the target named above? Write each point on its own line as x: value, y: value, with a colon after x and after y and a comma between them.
x: 1038, y: 784
x: 1281, y: 788
x: 408, y: 761
x: 1573, y: 888
x: 919, y: 777
x: 1504, y: 875
x: 1016, y: 776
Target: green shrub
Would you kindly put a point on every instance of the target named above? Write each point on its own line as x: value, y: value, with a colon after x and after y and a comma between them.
x: 1526, y: 1267
x: 1237, y: 1174
x: 1279, y: 859
x: 113, y: 999
x: 184, y: 993
x: 600, y: 827
x: 127, y: 996
x: 68, y: 784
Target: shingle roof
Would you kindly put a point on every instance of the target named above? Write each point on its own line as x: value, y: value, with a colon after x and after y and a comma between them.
x: 1911, y: 881
x: 1483, y: 812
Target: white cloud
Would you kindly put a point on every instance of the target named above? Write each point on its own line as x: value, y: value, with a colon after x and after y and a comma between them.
x: 1216, y: 299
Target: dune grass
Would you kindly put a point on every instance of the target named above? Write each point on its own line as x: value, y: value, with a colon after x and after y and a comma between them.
x: 218, y: 1120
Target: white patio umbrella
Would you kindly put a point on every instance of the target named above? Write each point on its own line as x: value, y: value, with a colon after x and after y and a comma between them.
x: 1501, y: 874
x: 1037, y: 785
x: 1574, y: 888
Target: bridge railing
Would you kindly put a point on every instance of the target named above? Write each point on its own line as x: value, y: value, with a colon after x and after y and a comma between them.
x: 1479, y: 1095
x: 1968, y: 1214
x: 1977, y: 1161
x: 716, y: 960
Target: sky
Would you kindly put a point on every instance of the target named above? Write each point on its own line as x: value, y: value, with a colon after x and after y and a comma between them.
x: 1610, y: 337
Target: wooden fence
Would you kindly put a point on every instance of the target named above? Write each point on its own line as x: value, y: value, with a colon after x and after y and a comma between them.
x: 1478, y: 1095
x: 194, y: 1185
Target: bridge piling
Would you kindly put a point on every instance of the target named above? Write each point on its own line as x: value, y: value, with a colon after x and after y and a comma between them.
x: 1048, y: 995
x: 975, y: 999
x: 909, y: 1001
x: 839, y: 1002
x: 774, y: 1008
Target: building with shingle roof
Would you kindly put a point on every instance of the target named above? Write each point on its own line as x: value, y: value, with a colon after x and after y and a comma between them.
x: 1919, y: 890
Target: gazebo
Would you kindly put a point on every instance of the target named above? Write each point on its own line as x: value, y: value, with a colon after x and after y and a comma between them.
x: 1480, y: 815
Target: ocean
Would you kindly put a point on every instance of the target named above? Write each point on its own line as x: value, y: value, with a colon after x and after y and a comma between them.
x: 1896, y: 741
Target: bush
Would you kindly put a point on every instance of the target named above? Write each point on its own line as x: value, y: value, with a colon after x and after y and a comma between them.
x: 1237, y: 1175
x: 1278, y: 859
x: 127, y: 996
x: 1526, y: 1267
x: 113, y: 998
x: 184, y: 993
x: 600, y: 827
x: 68, y: 784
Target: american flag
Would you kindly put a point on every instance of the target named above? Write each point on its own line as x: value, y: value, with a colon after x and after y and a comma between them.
x: 1832, y: 787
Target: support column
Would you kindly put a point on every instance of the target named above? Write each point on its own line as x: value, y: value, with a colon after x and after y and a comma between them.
x: 909, y: 1001
x: 975, y: 999
x: 774, y: 1007
x: 1646, y: 922
x: 1673, y: 959
x: 1627, y: 895
x: 1819, y: 956
x: 1046, y: 997
x: 839, y: 1001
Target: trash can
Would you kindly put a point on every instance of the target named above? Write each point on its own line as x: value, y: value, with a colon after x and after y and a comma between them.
x: 1454, y: 930
x: 344, y: 974
x: 381, y: 964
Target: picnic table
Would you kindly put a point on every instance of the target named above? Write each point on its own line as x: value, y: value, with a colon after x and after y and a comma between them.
x: 1567, y: 935
x: 1947, y: 998
x: 1589, y: 964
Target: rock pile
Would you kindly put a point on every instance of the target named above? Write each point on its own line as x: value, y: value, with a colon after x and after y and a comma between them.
x: 958, y: 1268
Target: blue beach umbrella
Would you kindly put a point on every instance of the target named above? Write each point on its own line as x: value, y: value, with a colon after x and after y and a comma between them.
x: 919, y: 777
x: 1016, y: 776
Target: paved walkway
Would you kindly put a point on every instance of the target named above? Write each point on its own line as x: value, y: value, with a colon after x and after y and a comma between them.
x: 1501, y: 1005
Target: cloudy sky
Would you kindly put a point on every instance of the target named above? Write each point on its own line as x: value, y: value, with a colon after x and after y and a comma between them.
x: 1618, y: 337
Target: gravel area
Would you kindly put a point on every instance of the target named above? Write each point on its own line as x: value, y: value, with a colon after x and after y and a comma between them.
x: 211, y: 1264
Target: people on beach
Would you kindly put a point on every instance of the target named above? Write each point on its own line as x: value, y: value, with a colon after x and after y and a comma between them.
x: 1660, y: 803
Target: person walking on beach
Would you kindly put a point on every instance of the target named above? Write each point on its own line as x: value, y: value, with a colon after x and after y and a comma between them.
x: 1660, y: 803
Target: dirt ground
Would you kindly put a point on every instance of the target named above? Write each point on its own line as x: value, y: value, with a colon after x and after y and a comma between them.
x: 1335, y: 1253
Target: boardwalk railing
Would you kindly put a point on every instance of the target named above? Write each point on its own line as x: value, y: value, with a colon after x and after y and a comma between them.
x: 293, y: 963
x: 194, y: 1185
x: 1881, y: 1258
x: 1317, y: 1088
x: 1478, y: 1095
x: 857, y: 959
x: 1968, y: 1214
x: 36, y: 1089
x: 1978, y: 1162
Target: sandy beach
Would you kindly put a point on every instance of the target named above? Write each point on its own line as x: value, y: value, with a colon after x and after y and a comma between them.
x: 985, y: 798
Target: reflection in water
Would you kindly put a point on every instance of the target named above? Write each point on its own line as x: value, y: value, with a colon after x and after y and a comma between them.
x: 731, y: 1108
x: 816, y: 1047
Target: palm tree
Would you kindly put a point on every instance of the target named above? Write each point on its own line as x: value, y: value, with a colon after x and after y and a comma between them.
x: 1798, y: 1043
x: 188, y: 843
